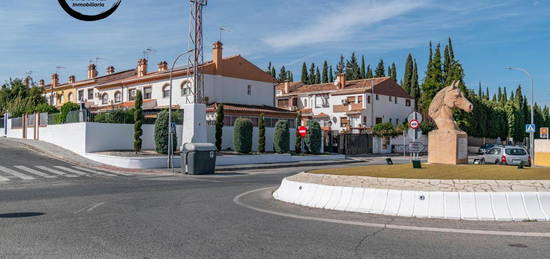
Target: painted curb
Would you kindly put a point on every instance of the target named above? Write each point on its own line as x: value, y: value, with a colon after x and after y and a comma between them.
x: 482, y: 206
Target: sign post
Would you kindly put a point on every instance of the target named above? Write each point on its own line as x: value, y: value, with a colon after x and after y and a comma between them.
x: 415, y: 148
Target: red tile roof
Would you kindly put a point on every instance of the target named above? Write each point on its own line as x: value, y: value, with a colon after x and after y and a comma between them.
x: 250, y: 109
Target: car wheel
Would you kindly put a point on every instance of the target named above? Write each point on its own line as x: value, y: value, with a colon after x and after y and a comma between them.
x: 482, y: 162
x: 496, y: 162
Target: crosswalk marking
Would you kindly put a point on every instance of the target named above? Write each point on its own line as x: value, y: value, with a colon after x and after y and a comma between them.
x: 91, y: 171
x: 53, y: 171
x: 71, y: 170
x: 35, y: 172
x: 4, y: 179
x: 16, y: 174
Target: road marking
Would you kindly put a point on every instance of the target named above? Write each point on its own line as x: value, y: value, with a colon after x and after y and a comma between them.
x: 16, y: 174
x: 33, y: 171
x: 71, y: 170
x: 91, y: 171
x: 4, y: 179
x: 237, y: 200
x: 53, y: 171
x: 90, y: 208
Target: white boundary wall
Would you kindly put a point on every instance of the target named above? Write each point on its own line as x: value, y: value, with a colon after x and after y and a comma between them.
x: 489, y: 206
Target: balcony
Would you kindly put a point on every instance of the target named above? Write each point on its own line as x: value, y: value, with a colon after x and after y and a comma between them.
x: 352, y: 107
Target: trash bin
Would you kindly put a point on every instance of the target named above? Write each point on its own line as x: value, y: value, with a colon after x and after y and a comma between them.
x: 198, y: 158
x: 416, y: 164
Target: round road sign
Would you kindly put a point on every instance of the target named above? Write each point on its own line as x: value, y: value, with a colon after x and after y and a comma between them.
x: 414, y: 124
x: 302, y: 131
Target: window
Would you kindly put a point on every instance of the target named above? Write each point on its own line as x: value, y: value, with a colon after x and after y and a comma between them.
x: 282, y: 103
x: 368, y: 99
x: 344, y: 122
x: 249, y: 90
x: 70, y: 97
x: 105, y: 98
x: 378, y: 120
x: 407, y: 102
x: 321, y: 101
x: 131, y: 94
x: 295, y: 101
x: 81, y: 95
x: 395, y: 100
x: 360, y: 99
x: 377, y: 97
x: 305, y: 102
x: 364, y: 120
x: 390, y: 98
x: 350, y: 99
x: 185, y: 88
x: 118, y: 97
x: 90, y: 94
x: 166, y: 91
x: 147, y: 92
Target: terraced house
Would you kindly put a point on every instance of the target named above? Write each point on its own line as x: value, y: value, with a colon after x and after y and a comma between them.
x: 347, y: 106
x: 244, y: 88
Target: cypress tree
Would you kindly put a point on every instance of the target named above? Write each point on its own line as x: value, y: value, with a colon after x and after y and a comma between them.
x: 341, y: 65
x: 290, y: 76
x: 415, y: 87
x: 393, y: 74
x: 407, y: 76
x: 433, y: 82
x: 219, y: 126
x: 479, y: 92
x: 352, y: 68
x: 324, y: 78
x: 369, y: 72
x: 363, y: 72
x: 298, y: 145
x: 446, y: 65
x: 269, y: 69
x: 451, y: 51
x: 380, y: 70
x: 487, y: 94
x: 282, y: 74
x: 317, y: 76
x: 304, y: 79
x: 330, y: 75
x: 311, y: 74
x: 138, y: 122
x: 273, y: 73
x: 261, y: 138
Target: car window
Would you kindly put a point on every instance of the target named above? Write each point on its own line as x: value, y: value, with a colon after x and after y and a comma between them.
x: 494, y: 151
x: 515, y: 152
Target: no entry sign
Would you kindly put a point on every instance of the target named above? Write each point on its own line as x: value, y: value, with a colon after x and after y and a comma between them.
x: 302, y: 131
x: 414, y: 124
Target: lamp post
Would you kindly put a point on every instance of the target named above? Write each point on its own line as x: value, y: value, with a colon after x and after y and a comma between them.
x: 531, y: 134
x: 170, y: 138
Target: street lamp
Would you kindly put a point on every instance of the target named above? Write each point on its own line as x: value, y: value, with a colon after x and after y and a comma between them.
x: 531, y: 134
x: 170, y: 138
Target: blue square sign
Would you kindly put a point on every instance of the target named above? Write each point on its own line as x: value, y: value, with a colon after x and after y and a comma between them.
x: 530, y: 128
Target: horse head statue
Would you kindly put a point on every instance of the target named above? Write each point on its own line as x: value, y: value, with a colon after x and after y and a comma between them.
x: 441, y: 108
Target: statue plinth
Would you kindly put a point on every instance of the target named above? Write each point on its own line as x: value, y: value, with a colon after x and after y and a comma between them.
x: 447, y: 147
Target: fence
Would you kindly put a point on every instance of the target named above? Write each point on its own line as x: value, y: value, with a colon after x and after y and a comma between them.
x: 1, y: 122
x: 354, y: 144
x: 16, y: 123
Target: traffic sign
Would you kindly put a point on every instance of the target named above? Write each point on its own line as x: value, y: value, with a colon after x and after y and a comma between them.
x: 414, y: 124
x: 416, y: 147
x: 530, y: 128
x: 543, y: 132
x: 302, y: 130
x: 415, y: 116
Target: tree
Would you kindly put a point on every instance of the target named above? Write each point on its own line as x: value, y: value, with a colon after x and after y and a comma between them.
x: 369, y: 72
x: 380, y: 70
x: 407, y: 76
x: 313, y: 137
x: 311, y: 74
x: 330, y: 75
x: 324, y: 78
x: 282, y: 75
x: 363, y: 72
x: 341, y: 65
x: 261, y: 138
x: 415, y: 87
x: 317, y: 76
x: 220, y: 116
x: 138, y: 122
x: 305, y: 78
x: 273, y: 73
x: 384, y: 129
x: 281, y: 137
x: 242, y: 135
x: 268, y: 70
x: 65, y: 109
x: 352, y: 68
x: 162, y: 133
x: 393, y: 72
x: 298, y: 145
x: 433, y: 82
x: 289, y: 76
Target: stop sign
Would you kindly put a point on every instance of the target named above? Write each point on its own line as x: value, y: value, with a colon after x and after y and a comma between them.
x: 302, y: 131
x: 414, y: 124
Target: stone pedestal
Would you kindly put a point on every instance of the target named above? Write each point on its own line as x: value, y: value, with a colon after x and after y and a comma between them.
x: 194, y: 123
x: 447, y: 147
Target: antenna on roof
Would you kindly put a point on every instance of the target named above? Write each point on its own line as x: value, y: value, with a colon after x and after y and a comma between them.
x: 147, y: 52
x: 222, y: 29
x: 58, y: 68
x: 96, y: 60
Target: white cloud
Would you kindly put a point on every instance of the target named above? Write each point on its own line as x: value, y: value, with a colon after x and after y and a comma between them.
x: 339, y: 23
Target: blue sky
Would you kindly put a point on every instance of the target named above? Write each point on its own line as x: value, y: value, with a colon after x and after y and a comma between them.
x: 488, y: 35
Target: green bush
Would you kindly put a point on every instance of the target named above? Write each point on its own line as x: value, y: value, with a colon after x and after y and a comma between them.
x: 219, y: 126
x: 261, y: 138
x: 65, y: 109
x: 161, y: 133
x: 116, y: 116
x: 137, y: 116
x: 281, y: 138
x: 313, y: 137
x: 242, y: 135
x: 44, y: 107
x: 384, y: 130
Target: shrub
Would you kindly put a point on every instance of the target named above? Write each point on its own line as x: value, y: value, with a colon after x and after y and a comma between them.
x: 281, y: 138
x: 242, y: 135
x: 161, y: 133
x: 116, y: 116
x: 65, y: 109
x: 313, y: 137
x: 261, y: 129
x: 384, y: 130
x: 138, y: 122
x: 44, y: 107
x: 298, y: 145
x: 219, y: 126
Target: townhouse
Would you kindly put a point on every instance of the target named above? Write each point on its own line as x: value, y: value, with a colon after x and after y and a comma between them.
x: 347, y: 106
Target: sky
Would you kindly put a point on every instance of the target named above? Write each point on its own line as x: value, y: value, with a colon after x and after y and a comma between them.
x: 39, y: 38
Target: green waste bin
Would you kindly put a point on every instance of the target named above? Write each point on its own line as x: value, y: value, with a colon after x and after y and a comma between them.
x: 417, y: 164
x: 198, y: 158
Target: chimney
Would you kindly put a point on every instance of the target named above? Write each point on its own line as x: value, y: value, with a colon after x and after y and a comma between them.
x: 287, y: 87
x: 110, y: 70
x: 217, y: 56
x: 142, y: 67
x: 72, y: 79
x: 163, y: 66
x: 55, y: 80
x: 41, y: 83
x: 92, y: 71
x: 341, y: 78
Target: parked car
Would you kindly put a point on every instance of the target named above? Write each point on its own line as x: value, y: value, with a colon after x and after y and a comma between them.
x: 485, y: 147
x: 507, y: 155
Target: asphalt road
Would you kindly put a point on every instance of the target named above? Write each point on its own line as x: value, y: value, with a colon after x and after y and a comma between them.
x: 197, y: 217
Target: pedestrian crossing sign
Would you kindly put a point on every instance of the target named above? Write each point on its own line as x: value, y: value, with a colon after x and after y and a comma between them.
x: 530, y: 128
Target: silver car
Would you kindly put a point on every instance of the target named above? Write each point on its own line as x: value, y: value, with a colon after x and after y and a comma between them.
x: 507, y: 155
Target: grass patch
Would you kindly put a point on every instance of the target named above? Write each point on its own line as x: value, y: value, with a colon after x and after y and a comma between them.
x: 443, y: 172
